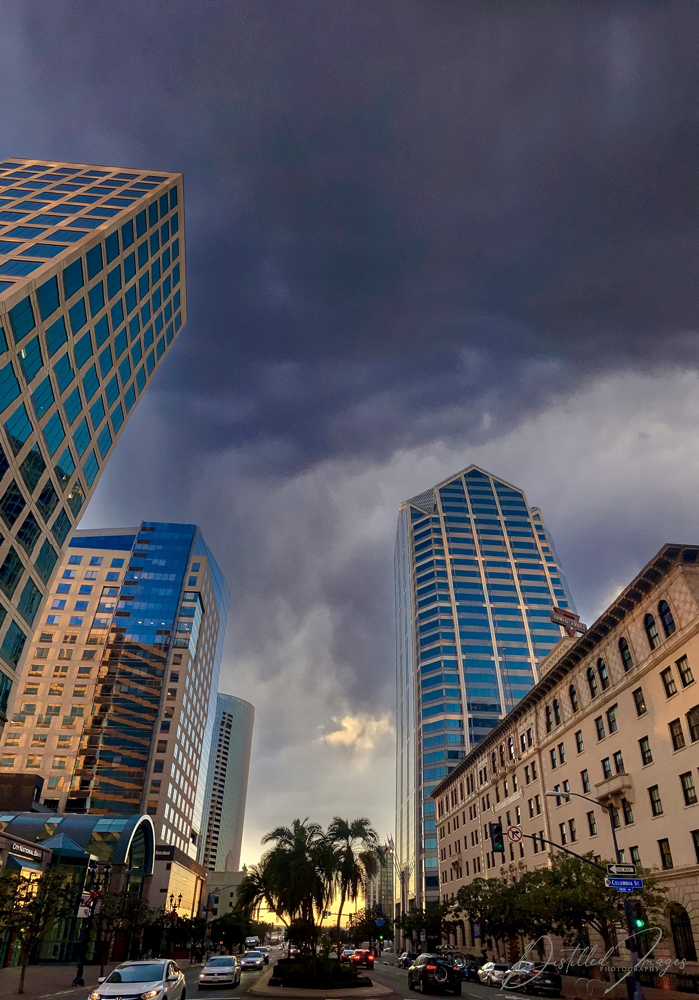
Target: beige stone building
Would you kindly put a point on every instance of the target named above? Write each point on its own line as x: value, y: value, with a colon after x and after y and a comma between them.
x: 615, y: 718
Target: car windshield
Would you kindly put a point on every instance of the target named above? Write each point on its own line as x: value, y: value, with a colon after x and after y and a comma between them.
x: 253, y: 954
x: 500, y: 968
x: 220, y: 963
x: 151, y: 972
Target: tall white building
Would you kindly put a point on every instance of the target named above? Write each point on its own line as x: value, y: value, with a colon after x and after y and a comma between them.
x: 476, y: 576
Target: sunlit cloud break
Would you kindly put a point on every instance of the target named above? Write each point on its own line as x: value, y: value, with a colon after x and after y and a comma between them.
x: 363, y: 732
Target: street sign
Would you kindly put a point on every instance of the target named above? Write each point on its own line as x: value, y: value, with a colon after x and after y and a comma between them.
x: 621, y: 869
x: 623, y: 888
x: 380, y: 922
x: 514, y: 834
x: 624, y: 883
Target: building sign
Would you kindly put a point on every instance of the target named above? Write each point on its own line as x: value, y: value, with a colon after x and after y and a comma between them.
x: 28, y: 852
x: 165, y: 852
x: 570, y: 621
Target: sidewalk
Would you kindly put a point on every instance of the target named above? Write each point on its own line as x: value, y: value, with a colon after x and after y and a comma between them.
x: 594, y: 989
x: 49, y: 980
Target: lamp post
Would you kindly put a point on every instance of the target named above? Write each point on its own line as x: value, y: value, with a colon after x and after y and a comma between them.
x: 633, y: 986
x: 95, y: 882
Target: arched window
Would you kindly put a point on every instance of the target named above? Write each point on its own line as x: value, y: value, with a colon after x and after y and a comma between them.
x: 502, y: 755
x: 557, y: 711
x: 603, y: 673
x: 592, y: 682
x: 682, y: 935
x: 651, y: 631
x: 494, y: 762
x: 510, y: 748
x: 625, y: 654
x: 666, y: 618
x: 574, y: 703
x: 549, y: 719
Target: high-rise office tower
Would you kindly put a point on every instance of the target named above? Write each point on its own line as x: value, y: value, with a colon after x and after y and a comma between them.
x: 92, y: 295
x: 116, y: 703
x: 227, y: 783
x: 476, y: 575
x: 379, y: 889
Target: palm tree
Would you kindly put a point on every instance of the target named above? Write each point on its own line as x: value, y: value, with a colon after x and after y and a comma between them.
x: 257, y: 889
x: 359, y: 857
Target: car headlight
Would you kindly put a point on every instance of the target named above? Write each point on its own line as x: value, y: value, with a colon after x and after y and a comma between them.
x: 151, y: 993
x: 95, y: 996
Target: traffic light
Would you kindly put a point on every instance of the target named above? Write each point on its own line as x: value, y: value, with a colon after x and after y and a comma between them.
x: 325, y: 915
x: 639, y: 918
x: 496, y: 838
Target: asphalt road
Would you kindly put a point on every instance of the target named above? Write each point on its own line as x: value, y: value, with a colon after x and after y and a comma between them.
x: 397, y: 980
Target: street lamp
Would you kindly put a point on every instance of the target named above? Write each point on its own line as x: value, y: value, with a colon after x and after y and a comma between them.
x: 633, y: 986
x: 95, y: 882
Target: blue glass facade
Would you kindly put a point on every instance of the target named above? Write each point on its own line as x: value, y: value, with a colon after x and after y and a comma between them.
x: 92, y: 295
x: 476, y: 577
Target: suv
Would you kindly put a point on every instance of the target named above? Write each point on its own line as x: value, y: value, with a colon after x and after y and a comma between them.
x: 430, y: 972
x: 363, y: 956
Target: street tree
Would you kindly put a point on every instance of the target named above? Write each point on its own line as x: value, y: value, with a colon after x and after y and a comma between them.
x: 358, y: 857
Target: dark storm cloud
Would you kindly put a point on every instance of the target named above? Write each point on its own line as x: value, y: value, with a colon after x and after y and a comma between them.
x: 394, y: 208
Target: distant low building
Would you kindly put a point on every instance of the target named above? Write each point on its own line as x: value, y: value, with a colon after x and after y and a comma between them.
x: 221, y: 892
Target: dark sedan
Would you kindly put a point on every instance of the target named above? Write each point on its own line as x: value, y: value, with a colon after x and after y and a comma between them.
x: 535, y: 978
x: 432, y: 973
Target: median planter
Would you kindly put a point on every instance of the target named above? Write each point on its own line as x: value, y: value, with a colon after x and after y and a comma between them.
x: 321, y: 975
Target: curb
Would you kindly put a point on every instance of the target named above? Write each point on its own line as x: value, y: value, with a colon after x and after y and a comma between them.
x: 261, y: 989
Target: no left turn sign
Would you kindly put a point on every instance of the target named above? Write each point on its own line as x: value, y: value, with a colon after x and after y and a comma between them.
x: 514, y: 834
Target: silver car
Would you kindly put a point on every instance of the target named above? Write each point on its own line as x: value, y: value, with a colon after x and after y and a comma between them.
x: 159, y: 979
x: 222, y: 970
x: 252, y: 960
x: 493, y: 973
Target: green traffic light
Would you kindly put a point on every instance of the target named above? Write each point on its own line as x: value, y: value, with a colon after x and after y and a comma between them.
x: 640, y: 922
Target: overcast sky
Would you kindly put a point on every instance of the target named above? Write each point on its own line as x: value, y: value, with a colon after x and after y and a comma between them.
x: 419, y: 235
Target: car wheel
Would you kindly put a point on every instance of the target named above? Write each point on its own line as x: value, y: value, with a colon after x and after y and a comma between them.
x: 489, y: 981
x: 423, y: 986
x: 183, y: 995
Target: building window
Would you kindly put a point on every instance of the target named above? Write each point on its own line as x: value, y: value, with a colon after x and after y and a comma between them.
x: 665, y: 853
x: 666, y: 618
x: 651, y: 631
x: 606, y: 769
x: 693, y: 723
x: 563, y: 832
x: 639, y: 701
x: 579, y: 745
x: 573, y: 695
x: 628, y: 811
x: 619, y: 762
x: 592, y: 824
x: 635, y: 856
x: 599, y: 725
x: 556, y: 712
x: 554, y: 763
x: 573, y: 831
x: 603, y: 673
x: 625, y: 654
x: 614, y: 815
x: 682, y: 935
x: 585, y: 780
x: 677, y: 735
x: 562, y: 753
x: 683, y: 668
x: 611, y: 718
x: 549, y: 719
x: 695, y: 838
x: 655, y: 803
x: 646, y: 755
x: 668, y: 682
x: 688, y: 789
x: 527, y: 779
x: 592, y: 682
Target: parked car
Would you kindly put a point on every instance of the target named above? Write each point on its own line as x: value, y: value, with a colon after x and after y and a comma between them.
x: 162, y: 979
x: 222, y: 970
x: 537, y: 978
x: 252, y: 960
x: 493, y: 973
x: 429, y: 973
x: 346, y: 954
x: 362, y: 956
x: 406, y: 959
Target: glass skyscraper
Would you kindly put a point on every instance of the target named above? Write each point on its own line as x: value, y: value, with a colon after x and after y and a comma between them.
x: 476, y: 575
x: 227, y: 783
x: 116, y: 703
x: 92, y: 295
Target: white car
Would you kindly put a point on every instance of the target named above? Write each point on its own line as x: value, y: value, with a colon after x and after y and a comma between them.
x: 493, y: 973
x: 252, y: 960
x: 160, y: 979
x: 219, y: 971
